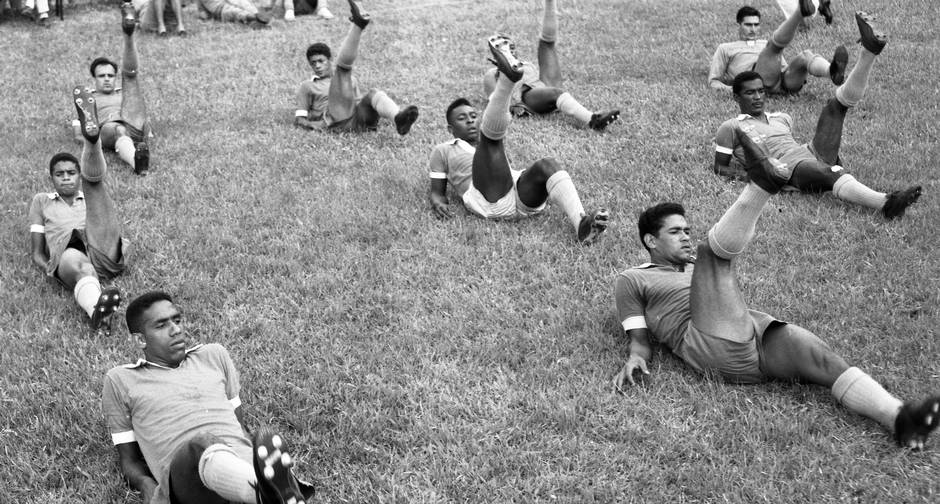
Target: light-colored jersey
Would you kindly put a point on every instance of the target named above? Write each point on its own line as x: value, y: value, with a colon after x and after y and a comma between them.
x: 453, y: 160
x: 162, y: 408
x: 313, y: 99
x: 732, y: 58
x: 775, y: 127
x: 655, y: 298
x: 108, y: 106
x: 51, y: 216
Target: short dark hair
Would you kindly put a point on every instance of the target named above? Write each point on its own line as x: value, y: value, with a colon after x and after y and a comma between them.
x: 653, y: 218
x: 319, y: 48
x: 135, y: 311
x: 746, y: 11
x: 741, y: 78
x: 459, y: 102
x: 101, y: 61
x: 63, y: 156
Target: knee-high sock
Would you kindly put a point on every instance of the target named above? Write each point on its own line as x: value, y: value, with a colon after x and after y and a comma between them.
x: 818, y: 66
x: 496, y: 116
x: 567, y: 104
x: 549, y: 31
x: 861, y: 394
x: 125, y: 149
x: 783, y: 35
x: 226, y: 474
x: 561, y: 191
x: 87, y: 291
x: 735, y: 229
x: 385, y: 106
x: 846, y: 188
x: 350, y: 48
x: 93, y: 164
x: 853, y: 89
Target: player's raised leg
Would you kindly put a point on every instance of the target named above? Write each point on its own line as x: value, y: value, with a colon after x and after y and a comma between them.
x: 545, y: 181
x: 132, y: 147
x: 768, y: 62
x: 342, y: 93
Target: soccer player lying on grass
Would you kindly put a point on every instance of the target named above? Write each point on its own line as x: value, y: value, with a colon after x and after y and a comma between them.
x: 121, y: 111
x: 751, y: 53
x: 234, y: 11
x: 476, y: 165
x: 176, y: 419
x: 541, y: 92
x: 331, y: 100
x: 700, y: 314
x: 814, y: 168
x: 75, y: 232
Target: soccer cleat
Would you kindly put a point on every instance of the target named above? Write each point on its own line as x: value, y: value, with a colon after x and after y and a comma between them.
x: 825, y: 10
x: 87, y: 113
x: 108, y: 301
x: 600, y: 120
x: 128, y: 18
x: 503, y: 58
x: 276, y: 484
x: 260, y: 17
x: 591, y: 226
x: 28, y: 13
x: 840, y: 60
x: 358, y: 16
x: 44, y: 22
x: 141, y: 159
x: 915, y: 422
x: 767, y: 172
x: 405, y: 118
x: 324, y: 13
x: 807, y: 8
x: 898, y: 201
x: 872, y: 38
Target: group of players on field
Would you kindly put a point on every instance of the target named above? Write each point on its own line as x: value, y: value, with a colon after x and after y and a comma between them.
x: 175, y: 415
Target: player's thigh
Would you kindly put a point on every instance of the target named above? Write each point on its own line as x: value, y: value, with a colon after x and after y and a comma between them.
x: 791, y: 352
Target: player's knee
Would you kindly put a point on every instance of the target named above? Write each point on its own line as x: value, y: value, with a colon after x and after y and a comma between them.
x: 546, y: 167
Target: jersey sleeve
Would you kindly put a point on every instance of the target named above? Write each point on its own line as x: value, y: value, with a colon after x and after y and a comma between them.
x: 304, y: 100
x: 631, y: 305
x: 117, y: 413
x: 726, y: 138
x: 232, y: 385
x: 437, y: 164
x: 37, y: 223
x: 718, y: 65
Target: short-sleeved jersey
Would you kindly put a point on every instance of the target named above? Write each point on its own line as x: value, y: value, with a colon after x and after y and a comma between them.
x: 313, y: 99
x: 161, y: 408
x: 732, y: 58
x: 453, y: 160
x: 53, y: 217
x: 109, y: 106
x: 656, y: 298
x: 775, y: 127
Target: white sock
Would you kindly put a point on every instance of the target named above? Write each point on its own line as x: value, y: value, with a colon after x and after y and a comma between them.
x: 818, y: 66
x: 223, y: 472
x: 567, y: 104
x: 496, y: 118
x: 561, y: 191
x: 87, y: 291
x: 861, y: 394
x: 385, y: 106
x: 125, y: 149
x: 853, y: 89
x: 735, y: 229
x: 846, y: 188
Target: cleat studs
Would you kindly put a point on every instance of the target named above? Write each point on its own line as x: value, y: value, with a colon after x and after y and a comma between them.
x: 285, y: 460
x: 276, y: 441
x: 268, y: 472
x: 928, y: 420
x: 263, y: 451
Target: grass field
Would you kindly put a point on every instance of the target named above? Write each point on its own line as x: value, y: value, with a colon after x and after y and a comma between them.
x: 414, y: 360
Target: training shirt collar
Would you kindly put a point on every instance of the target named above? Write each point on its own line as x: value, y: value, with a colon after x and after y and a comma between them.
x: 141, y: 362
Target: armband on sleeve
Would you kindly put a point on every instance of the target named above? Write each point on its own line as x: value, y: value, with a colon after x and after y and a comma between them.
x: 123, y: 437
x: 723, y: 150
x: 37, y: 228
x: 635, y: 322
x: 300, y: 113
x: 438, y: 175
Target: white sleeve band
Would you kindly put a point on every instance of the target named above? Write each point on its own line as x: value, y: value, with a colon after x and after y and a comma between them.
x: 76, y: 122
x: 300, y: 113
x: 637, y: 322
x: 723, y: 150
x: 235, y: 401
x: 438, y: 175
x: 123, y: 437
x: 37, y: 228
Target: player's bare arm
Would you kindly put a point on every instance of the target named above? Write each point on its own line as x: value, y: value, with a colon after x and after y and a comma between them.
x: 438, y: 198
x: 37, y: 243
x: 135, y: 470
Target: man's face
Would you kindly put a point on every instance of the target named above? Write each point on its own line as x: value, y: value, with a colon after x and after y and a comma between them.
x: 105, y: 75
x: 462, y: 123
x: 751, y: 97
x: 672, y: 243
x: 163, y: 337
x: 321, y: 65
x: 749, y: 28
x: 65, y: 179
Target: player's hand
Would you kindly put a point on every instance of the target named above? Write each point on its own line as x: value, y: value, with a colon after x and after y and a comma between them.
x: 634, y: 363
x: 442, y: 209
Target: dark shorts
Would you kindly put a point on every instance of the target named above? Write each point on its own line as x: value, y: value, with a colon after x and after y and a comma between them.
x: 105, y: 267
x: 186, y: 486
x: 136, y: 134
x: 363, y: 119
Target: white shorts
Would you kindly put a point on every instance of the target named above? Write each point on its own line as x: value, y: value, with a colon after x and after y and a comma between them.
x: 507, y: 207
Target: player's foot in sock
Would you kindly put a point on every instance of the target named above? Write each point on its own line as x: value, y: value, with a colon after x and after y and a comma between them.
x: 601, y: 120
x: 405, y: 118
x: 871, y: 37
x: 592, y: 225
x: 87, y: 113
x: 108, y: 301
x: 840, y: 60
x: 276, y: 484
x: 915, y: 422
x: 898, y: 201
x: 767, y: 172
x: 324, y: 13
x: 141, y: 159
x: 128, y: 18
x: 807, y: 8
x: 825, y: 10
x: 505, y: 61
x: 358, y: 16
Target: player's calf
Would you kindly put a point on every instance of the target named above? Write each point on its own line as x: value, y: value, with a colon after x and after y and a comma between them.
x: 915, y: 422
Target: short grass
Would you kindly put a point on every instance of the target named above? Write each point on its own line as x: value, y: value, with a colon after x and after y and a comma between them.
x: 414, y: 360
